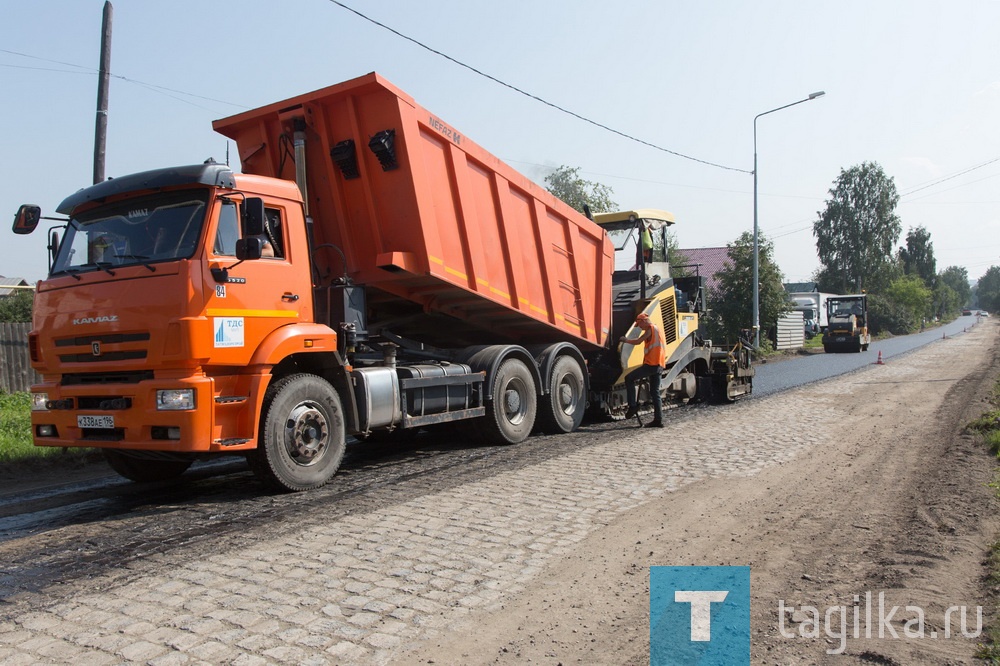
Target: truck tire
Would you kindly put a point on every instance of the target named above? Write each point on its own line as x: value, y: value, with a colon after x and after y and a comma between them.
x: 137, y: 468
x: 562, y: 409
x: 302, y: 437
x: 510, y: 416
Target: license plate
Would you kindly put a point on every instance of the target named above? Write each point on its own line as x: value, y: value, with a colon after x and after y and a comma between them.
x: 95, y: 421
x: 841, y: 338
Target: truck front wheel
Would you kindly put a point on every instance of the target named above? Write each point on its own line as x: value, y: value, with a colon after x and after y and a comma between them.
x: 563, y: 408
x: 302, y: 436
x: 510, y: 416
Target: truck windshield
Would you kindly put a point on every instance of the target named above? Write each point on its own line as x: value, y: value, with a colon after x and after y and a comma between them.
x: 141, y: 230
x: 844, y: 308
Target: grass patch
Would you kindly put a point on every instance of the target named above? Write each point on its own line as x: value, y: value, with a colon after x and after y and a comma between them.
x: 15, y: 435
x: 989, y: 649
x: 15, y: 426
x: 815, y: 342
x: 988, y: 428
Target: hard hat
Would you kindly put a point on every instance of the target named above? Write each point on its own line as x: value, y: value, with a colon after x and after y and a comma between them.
x: 642, y: 317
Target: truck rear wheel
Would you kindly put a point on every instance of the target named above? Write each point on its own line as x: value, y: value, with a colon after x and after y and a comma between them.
x: 140, y: 468
x: 562, y: 409
x: 302, y: 436
x: 510, y: 416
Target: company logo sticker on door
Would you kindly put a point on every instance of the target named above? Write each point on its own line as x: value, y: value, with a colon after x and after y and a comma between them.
x: 228, y: 331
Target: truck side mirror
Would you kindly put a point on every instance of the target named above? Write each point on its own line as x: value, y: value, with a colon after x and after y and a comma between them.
x: 251, y: 247
x: 27, y: 218
x: 253, y: 217
x: 53, y: 247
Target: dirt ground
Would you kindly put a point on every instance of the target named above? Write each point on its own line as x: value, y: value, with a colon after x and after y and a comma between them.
x: 895, y: 501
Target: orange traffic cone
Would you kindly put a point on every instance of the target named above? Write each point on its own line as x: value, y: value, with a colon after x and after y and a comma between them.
x: 879, y: 361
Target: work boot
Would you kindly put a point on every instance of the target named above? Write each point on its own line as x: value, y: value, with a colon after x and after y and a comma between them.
x: 656, y: 423
x: 632, y: 411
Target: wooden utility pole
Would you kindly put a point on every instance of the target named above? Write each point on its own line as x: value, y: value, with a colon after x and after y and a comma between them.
x: 101, y: 132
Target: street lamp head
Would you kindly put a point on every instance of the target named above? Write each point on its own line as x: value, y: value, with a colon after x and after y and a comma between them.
x: 817, y: 94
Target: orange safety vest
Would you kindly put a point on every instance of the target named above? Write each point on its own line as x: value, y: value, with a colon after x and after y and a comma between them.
x: 654, y: 351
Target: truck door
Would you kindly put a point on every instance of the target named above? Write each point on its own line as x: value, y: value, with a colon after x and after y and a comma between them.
x: 259, y: 296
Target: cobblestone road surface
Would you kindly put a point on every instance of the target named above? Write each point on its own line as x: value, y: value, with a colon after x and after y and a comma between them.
x: 363, y: 587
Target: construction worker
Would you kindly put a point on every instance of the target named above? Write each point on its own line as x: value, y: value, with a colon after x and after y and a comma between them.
x: 653, y: 359
x: 99, y: 248
x: 647, y: 245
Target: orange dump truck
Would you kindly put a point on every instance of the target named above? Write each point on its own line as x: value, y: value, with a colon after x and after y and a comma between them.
x: 371, y: 271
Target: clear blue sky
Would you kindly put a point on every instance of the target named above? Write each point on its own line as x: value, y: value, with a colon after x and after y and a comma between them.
x: 913, y: 85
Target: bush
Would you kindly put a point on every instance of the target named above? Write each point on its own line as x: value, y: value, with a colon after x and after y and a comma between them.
x: 17, y: 307
x: 884, y: 316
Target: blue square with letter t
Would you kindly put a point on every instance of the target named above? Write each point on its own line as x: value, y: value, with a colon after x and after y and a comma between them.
x: 699, y: 615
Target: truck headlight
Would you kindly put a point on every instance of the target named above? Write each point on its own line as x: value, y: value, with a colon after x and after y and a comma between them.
x: 174, y: 399
x: 38, y: 402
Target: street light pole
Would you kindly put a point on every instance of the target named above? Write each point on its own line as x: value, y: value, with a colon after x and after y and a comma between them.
x: 756, y: 247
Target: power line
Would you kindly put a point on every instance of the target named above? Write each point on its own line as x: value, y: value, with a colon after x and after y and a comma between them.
x: 55, y: 62
x: 947, y: 178
x: 90, y: 70
x: 532, y: 96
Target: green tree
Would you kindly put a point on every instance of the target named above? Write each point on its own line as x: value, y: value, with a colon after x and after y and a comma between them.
x: 675, y: 257
x: 731, y: 300
x: 957, y: 277
x: 910, y: 293
x: 917, y: 257
x: 988, y: 290
x: 566, y: 183
x: 17, y: 307
x: 856, y: 233
x: 946, y: 301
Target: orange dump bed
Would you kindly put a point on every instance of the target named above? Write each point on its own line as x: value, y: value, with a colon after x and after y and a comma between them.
x: 430, y: 221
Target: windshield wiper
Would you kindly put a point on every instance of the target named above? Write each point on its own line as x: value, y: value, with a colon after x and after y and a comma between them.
x: 105, y: 266
x: 141, y: 258
x: 72, y: 272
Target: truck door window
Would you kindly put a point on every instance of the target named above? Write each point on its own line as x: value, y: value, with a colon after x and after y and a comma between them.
x: 228, y: 231
x: 273, y: 231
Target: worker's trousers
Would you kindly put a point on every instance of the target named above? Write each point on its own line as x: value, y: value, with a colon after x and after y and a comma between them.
x: 653, y: 373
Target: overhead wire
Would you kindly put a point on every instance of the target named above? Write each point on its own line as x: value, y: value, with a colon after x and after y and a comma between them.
x: 533, y: 96
x: 163, y: 90
x: 947, y: 178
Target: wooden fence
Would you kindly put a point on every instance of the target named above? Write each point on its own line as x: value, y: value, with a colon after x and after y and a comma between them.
x: 16, y: 373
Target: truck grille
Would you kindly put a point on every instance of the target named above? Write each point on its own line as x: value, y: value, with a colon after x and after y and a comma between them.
x: 105, y: 347
x: 105, y: 339
x: 85, y: 378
